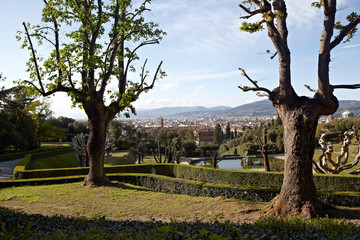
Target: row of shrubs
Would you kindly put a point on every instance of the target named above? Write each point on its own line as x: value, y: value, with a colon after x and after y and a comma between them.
x: 16, y: 225
x: 24, y: 164
x: 330, y: 183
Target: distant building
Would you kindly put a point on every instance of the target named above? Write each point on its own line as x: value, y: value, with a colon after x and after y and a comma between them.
x: 347, y: 114
x: 204, y: 137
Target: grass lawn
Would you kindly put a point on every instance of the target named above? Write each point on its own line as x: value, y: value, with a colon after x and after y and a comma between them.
x: 119, y: 158
x: 126, y: 202
x: 66, y: 160
x: 149, y: 159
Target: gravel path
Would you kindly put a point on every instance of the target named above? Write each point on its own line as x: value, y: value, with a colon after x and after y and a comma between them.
x: 7, y: 168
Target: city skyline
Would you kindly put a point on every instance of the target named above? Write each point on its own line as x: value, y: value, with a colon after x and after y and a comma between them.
x: 202, y: 52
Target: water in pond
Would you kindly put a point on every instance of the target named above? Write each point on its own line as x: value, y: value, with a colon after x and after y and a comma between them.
x: 235, y: 164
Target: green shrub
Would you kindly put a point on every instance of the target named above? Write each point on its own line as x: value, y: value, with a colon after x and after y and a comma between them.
x: 193, y: 188
x: 22, y: 165
x: 231, y: 177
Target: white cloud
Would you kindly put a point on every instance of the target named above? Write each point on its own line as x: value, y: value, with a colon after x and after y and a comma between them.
x: 199, y: 87
x: 301, y: 14
x: 169, y: 86
x: 352, y: 46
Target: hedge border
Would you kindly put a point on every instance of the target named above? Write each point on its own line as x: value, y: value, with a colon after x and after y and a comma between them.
x: 325, y: 183
x: 24, y: 164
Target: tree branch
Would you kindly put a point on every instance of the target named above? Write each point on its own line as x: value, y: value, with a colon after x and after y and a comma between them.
x: 155, y: 77
x: 42, y: 90
x: 131, y: 57
x: 256, y: 88
x: 344, y: 32
x: 251, y: 13
x: 354, y: 86
x: 309, y: 88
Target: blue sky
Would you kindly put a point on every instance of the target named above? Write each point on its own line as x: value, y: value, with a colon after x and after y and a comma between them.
x: 202, y: 52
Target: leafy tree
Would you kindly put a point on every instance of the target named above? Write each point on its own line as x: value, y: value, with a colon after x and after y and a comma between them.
x: 298, y: 114
x: 228, y: 131
x: 20, y: 115
x: 189, y: 148
x: 95, y: 49
x: 218, y: 135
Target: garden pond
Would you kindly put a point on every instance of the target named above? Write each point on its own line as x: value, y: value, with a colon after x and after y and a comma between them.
x: 236, y: 164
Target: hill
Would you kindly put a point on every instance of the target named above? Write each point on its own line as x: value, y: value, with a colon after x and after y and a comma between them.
x: 255, y: 109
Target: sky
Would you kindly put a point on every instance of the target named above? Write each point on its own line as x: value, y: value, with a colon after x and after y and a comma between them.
x: 202, y: 52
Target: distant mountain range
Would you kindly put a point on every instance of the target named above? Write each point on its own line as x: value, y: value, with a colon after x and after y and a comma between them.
x: 255, y: 109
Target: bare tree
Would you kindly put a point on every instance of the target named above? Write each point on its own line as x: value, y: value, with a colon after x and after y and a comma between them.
x: 298, y: 114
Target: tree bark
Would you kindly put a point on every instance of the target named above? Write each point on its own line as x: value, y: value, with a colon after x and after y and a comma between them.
x: 98, y: 121
x: 298, y: 192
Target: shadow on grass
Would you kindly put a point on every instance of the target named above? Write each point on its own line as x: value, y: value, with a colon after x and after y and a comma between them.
x: 343, y: 213
x: 17, y: 225
x: 122, y: 185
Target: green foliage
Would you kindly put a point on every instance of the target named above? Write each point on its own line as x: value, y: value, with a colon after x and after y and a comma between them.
x: 252, y: 27
x: 317, y: 4
x: 336, y: 128
x: 15, y: 225
x: 120, y: 158
x: 246, y: 142
x: 218, y: 135
x: 100, y: 44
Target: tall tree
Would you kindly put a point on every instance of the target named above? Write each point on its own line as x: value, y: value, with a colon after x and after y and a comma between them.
x: 228, y: 131
x: 298, y: 114
x: 93, y: 43
x: 218, y: 134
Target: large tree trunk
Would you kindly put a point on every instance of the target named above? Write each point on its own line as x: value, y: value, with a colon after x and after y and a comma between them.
x: 298, y: 192
x: 98, y: 121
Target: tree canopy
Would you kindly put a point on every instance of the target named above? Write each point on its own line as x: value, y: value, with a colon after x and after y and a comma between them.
x: 92, y: 44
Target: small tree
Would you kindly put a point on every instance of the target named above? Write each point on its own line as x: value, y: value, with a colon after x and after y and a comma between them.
x: 95, y: 49
x: 78, y: 144
x: 264, y: 147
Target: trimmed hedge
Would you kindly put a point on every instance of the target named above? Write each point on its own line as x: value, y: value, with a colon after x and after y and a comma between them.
x: 195, y: 188
x: 231, y: 177
x: 26, y: 161
x: 60, y: 172
x: 324, y: 183
x: 22, y: 165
